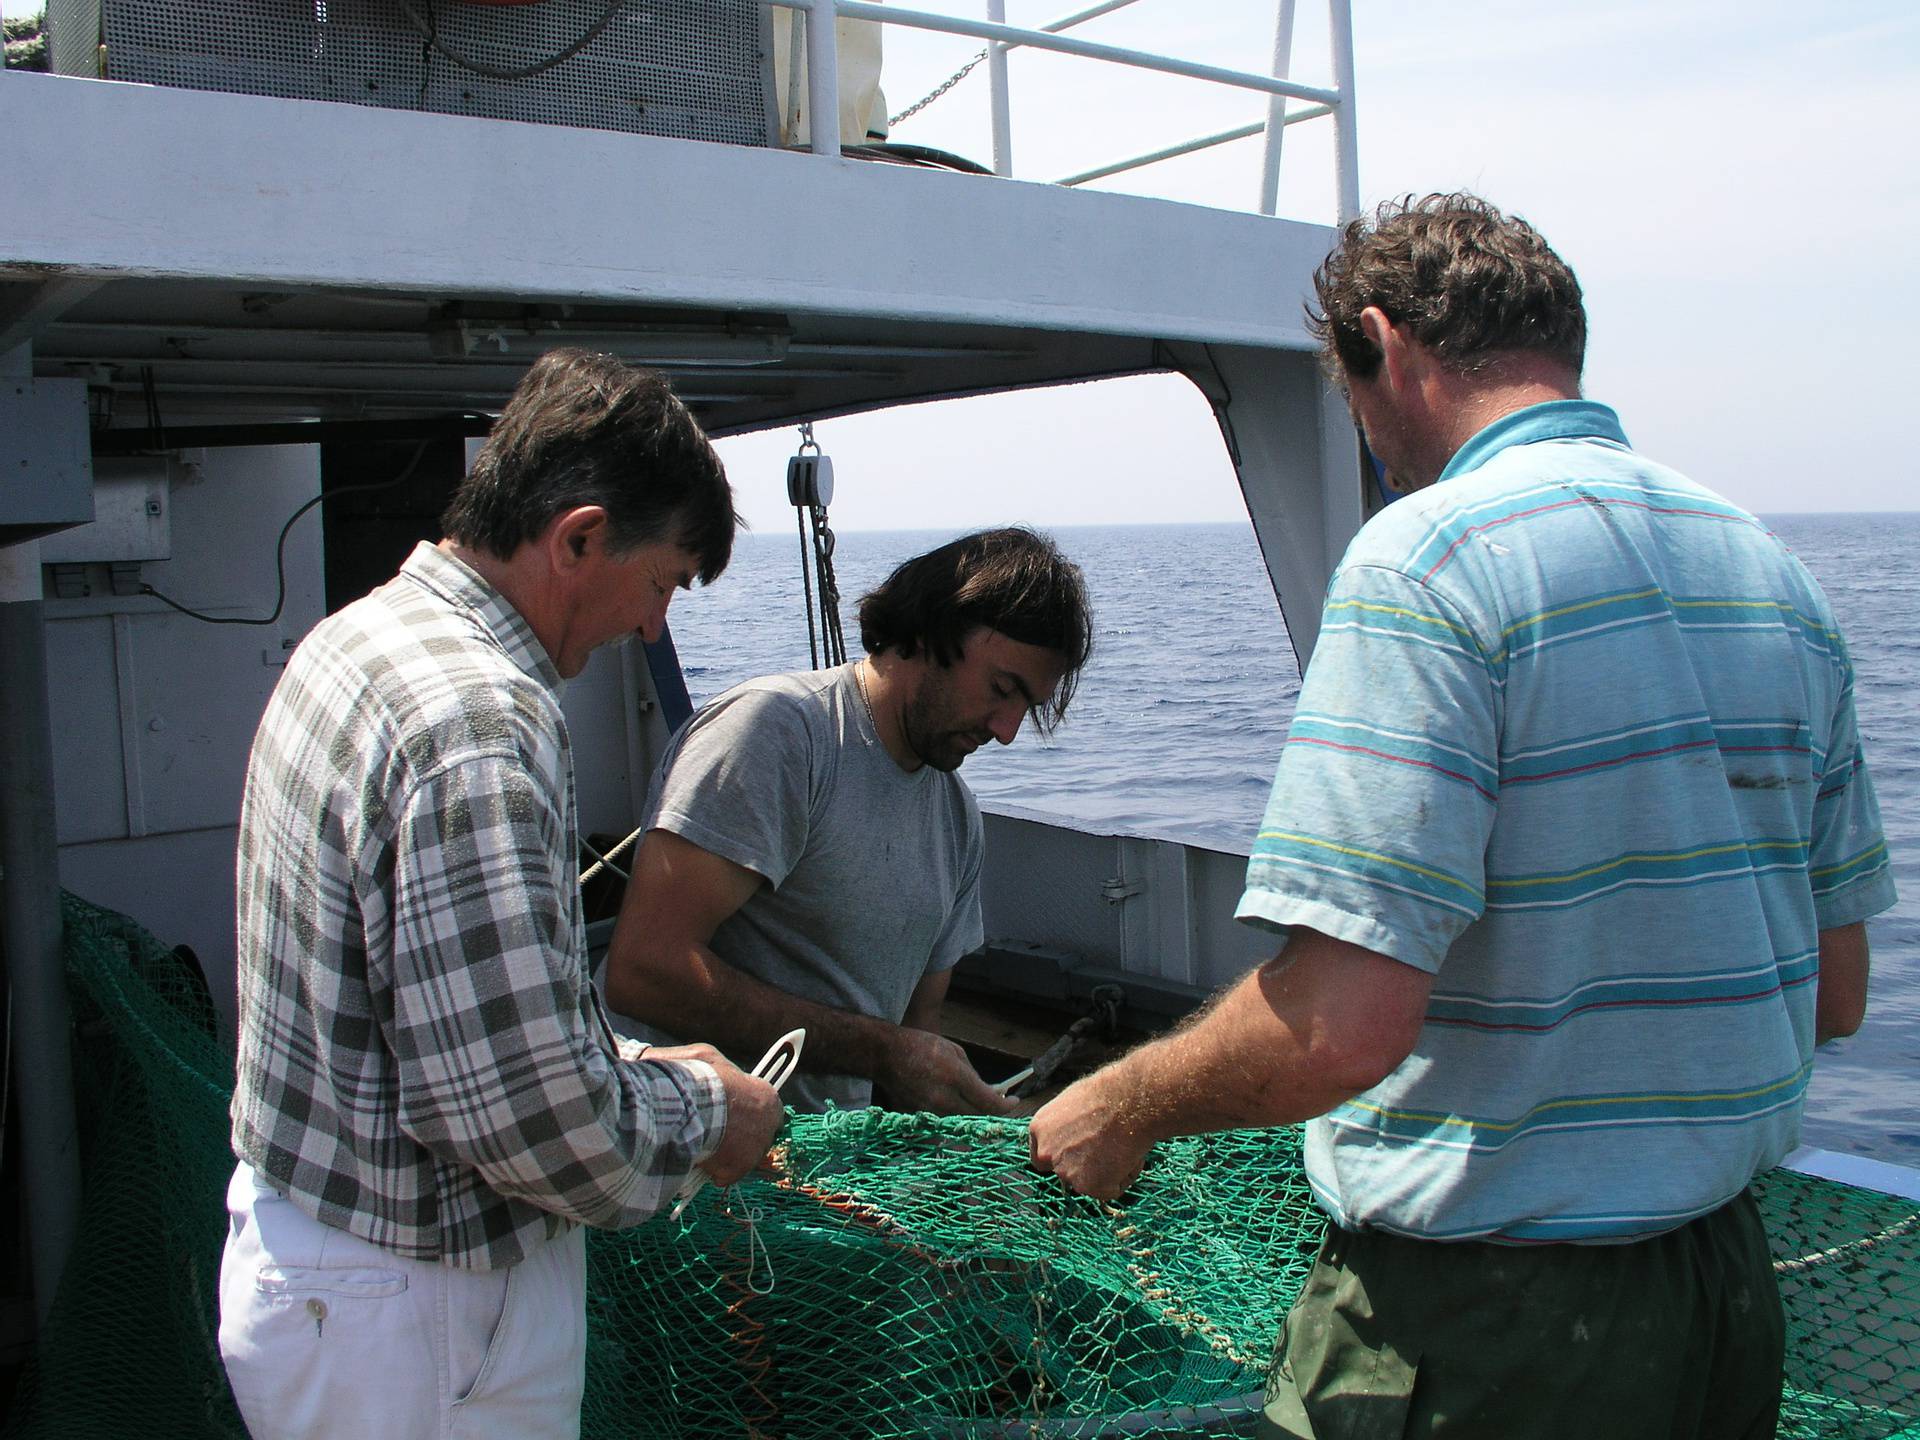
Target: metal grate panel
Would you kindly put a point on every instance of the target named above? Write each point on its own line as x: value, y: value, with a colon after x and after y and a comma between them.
x: 73, y: 37
x: 693, y: 69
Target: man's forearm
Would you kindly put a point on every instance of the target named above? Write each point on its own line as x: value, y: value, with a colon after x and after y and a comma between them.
x: 1316, y: 1025
x: 1840, y: 996
x: 698, y: 996
x: 1245, y: 1060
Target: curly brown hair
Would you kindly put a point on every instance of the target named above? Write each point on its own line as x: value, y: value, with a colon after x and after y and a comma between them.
x: 1470, y: 284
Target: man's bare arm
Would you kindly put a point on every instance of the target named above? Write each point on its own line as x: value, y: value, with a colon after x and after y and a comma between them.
x: 661, y: 968
x: 929, y: 999
x: 1840, y: 1002
x: 929, y: 1071
x: 1316, y: 1025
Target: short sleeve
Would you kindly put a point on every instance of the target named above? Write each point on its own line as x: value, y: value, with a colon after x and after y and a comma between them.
x: 1848, y: 865
x: 1376, y: 828
x: 738, y: 782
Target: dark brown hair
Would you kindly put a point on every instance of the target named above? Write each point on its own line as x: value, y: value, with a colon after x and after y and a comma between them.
x: 1470, y: 284
x: 1010, y: 580
x: 586, y: 429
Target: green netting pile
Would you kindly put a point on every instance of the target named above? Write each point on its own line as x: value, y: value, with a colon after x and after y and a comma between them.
x: 1849, y: 1267
x: 894, y: 1275
x: 907, y: 1276
x: 129, y: 1347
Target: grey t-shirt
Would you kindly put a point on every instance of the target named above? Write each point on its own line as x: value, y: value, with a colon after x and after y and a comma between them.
x: 873, y: 874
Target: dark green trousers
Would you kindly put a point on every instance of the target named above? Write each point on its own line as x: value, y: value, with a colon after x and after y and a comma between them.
x: 1678, y: 1336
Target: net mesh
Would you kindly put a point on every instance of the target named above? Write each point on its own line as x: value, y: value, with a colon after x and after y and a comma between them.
x: 893, y: 1275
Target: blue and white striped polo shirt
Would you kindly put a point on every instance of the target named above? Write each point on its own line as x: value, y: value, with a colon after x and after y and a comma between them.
x: 1578, y: 739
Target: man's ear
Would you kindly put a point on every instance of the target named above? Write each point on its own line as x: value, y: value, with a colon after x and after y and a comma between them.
x: 1391, y: 341
x: 575, y: 534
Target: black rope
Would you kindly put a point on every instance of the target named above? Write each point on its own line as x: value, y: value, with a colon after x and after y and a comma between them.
x: 806, y: 581
x: 494, y: 72
x: 832, y: 638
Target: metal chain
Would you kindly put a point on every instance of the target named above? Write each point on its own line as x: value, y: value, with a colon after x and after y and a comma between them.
x: 832, y: 638
x: 816, y: 564
x: 951, y: 81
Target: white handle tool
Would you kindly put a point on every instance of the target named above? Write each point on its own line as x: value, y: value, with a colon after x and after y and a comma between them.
x: 780, y: 1061
x: 1006, y: 1086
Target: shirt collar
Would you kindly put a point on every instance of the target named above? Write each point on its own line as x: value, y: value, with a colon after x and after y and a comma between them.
x: 1550, y: 420
x: 463, y: 587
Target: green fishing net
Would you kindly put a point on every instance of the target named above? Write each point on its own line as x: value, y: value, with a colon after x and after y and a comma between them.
x: 891, y: 1275
x: 905, y: 1276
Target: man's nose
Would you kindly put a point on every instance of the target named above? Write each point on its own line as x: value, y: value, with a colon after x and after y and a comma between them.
x: 1005, y: 725
x: 652, y: 627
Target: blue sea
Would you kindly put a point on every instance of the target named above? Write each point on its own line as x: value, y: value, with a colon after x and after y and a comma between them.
x: 1184, y: 706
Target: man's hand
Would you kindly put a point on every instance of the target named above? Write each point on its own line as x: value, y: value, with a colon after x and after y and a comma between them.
x: 1318, y: 1024
x: 754, y: 1112
x: 924, y: 1071
x: 1082, y: 1137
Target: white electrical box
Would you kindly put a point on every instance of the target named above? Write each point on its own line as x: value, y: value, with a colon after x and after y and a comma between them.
x: 131, y: 517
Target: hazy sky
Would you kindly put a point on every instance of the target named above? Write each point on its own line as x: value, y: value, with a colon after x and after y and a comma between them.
x: 1733, y: 181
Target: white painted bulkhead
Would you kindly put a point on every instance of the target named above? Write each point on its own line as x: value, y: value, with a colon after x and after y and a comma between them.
x: 153, y: 712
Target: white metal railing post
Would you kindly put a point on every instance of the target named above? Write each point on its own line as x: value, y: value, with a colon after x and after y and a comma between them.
x: 1080, y: 17
x: 1276, y: 110
x: 1002, y: 37
x: 997, y: 91
x: 1015, y: 37
x: 823, y: 79
x: 1346, y: 152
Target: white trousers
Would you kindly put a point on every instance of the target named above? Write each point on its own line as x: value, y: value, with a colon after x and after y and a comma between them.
x: 324, y: 1334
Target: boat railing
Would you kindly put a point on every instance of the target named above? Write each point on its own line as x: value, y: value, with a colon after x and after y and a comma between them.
x: 1289, y: 102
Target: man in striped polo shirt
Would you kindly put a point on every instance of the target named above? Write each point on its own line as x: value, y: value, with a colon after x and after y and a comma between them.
x: 1572, y: 843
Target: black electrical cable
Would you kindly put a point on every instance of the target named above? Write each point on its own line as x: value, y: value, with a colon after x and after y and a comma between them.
x: 150, y: 393
x: 280, y: 548
x: 430, y: 34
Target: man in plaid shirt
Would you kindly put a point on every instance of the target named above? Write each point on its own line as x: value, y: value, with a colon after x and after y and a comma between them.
x: 430, y: 1102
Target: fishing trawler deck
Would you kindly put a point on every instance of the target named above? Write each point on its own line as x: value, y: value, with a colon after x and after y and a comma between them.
x: 202, y: 291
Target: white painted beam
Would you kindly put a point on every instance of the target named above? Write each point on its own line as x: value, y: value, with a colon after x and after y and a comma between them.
x: 287, y: 193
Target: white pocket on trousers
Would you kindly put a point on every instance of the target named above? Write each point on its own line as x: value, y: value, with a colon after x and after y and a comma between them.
x: 348, y: 1282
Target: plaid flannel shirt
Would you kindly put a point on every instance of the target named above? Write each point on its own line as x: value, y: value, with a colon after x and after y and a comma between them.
x: 423, y: 1059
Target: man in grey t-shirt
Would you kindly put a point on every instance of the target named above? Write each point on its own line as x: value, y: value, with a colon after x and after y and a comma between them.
x: 811, y: 858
